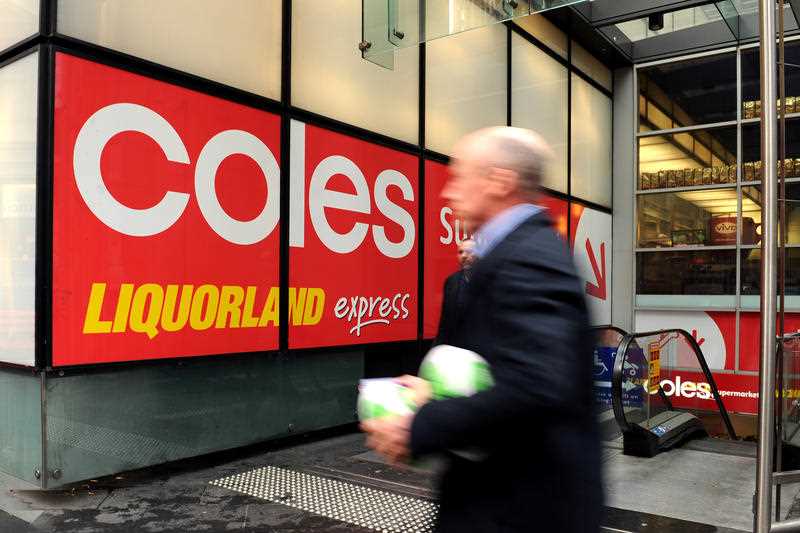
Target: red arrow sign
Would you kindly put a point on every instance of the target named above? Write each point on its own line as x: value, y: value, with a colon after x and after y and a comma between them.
x: 598, y: 290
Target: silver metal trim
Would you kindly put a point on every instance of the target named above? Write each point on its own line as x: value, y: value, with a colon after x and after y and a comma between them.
x: 698, y: 55
x: 683, y: 129
x: 786, y: 526
x: 683, y: 308
x: 692, y: 248
x: 692, y: 188
x: 769, y: 145
x: 790, y: 116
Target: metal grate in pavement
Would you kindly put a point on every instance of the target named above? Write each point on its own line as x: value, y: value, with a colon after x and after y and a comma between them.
x: 365, y: 507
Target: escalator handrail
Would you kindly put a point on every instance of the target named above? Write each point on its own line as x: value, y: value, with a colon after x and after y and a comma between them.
x: 616, y: 383
x: 622, y: 332
x: 616, y: 379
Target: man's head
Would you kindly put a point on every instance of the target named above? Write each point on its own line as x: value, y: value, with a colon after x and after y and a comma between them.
x: 466, y: 255
x: 493, y: 169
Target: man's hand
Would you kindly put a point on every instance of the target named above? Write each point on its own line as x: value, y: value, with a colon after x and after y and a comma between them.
x: 390, y: 436
x: 420, y: 388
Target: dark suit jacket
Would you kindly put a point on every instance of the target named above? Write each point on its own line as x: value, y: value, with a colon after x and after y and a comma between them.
x: 452, y: 302
x: 525, y: 313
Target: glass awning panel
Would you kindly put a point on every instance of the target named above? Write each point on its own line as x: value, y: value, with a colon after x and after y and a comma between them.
x: 389, y: 25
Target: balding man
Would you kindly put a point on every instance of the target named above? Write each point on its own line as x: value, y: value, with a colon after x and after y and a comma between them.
x: 539, y: 469
x: 454, y: 293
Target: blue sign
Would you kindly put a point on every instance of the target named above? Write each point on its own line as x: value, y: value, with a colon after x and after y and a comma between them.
x: 603, y: 368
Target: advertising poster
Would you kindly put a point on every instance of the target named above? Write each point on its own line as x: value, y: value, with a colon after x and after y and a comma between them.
x: 353, y: 241
x: 715, y: 332
x: 750, y: 336
x: 444, y: 232
x: 590, y: 239
x: 165, y: 220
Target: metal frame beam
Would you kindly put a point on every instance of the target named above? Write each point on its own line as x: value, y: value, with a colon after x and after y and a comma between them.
x: 604, y: 12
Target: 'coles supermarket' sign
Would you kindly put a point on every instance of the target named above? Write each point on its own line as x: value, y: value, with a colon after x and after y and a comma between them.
x: 166, y: 226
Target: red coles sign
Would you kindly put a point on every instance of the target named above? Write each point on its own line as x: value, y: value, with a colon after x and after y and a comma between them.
x: 165, y: 232
x: 353, y: 240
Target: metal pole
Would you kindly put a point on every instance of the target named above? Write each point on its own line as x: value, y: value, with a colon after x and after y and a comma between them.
x: 782, y: 250
x: 766, y: 421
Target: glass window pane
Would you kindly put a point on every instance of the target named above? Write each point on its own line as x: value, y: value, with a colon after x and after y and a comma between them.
x: 751, y: 150
x: 540, y: 91
x: 465, y: 85
x: 697, y: 278
x: 591, y: 143
x: 700, y: 157
x: 687, y: 218
x: 355, y: 91
x: 545, y: 31
x: 18, y: 91
x: 19, y: 19
x: 591, y: 66
x: 697, y: 91
x: 751, y: 277
x: 751, y: 88
x: 240, y: 47
x: 751, y: 214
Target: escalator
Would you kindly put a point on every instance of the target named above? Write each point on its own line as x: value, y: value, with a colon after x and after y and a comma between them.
x: 663, y: 393
x: 607, y: 341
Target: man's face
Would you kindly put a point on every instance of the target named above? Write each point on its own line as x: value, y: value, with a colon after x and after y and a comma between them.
x: 465, y: 253
x: 466, y: 190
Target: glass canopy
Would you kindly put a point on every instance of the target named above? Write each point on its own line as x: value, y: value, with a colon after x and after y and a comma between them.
x: 693, y: 28
x: 389, y: 25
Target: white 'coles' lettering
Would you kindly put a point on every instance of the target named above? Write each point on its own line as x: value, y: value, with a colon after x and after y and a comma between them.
x: 114, y: 119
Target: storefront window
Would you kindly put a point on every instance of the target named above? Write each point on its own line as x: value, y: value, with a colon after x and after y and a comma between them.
x: 591, y: 143
x: 696, y: 278
x: 19, y: 19
x: 465, y: 85
x: 751, y: 87
x: 751, y: 151
x: 751, y: 214
x: 540, y: 92
x: 18, y: 95
x: 687, y: 218
x: 688, y: 159
x: 751, y: 277
x: 687, y: 93
x: 355, y: 91
x: 239, y: 47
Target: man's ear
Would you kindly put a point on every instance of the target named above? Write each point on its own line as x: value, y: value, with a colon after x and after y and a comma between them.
x: 502, y: 182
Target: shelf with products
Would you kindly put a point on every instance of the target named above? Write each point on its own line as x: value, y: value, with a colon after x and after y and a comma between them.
x: 751, y: 110
x: 695, y: 158
x: 692, y: 218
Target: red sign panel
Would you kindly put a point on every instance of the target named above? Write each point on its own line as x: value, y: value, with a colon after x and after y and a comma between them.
x: 353, y: 241
x: 444, y: 232
x: 165, y: 233
x: 750, y: 337
x: 689, y: 390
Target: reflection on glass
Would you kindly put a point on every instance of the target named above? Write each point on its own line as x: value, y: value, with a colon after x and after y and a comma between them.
x: 686, y: 272
x: 688, y: 218
x: 751, y: 86
x: 751, y: 272
x: 689, y: 159
x: 751, y: 214
x: 686, y: 93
